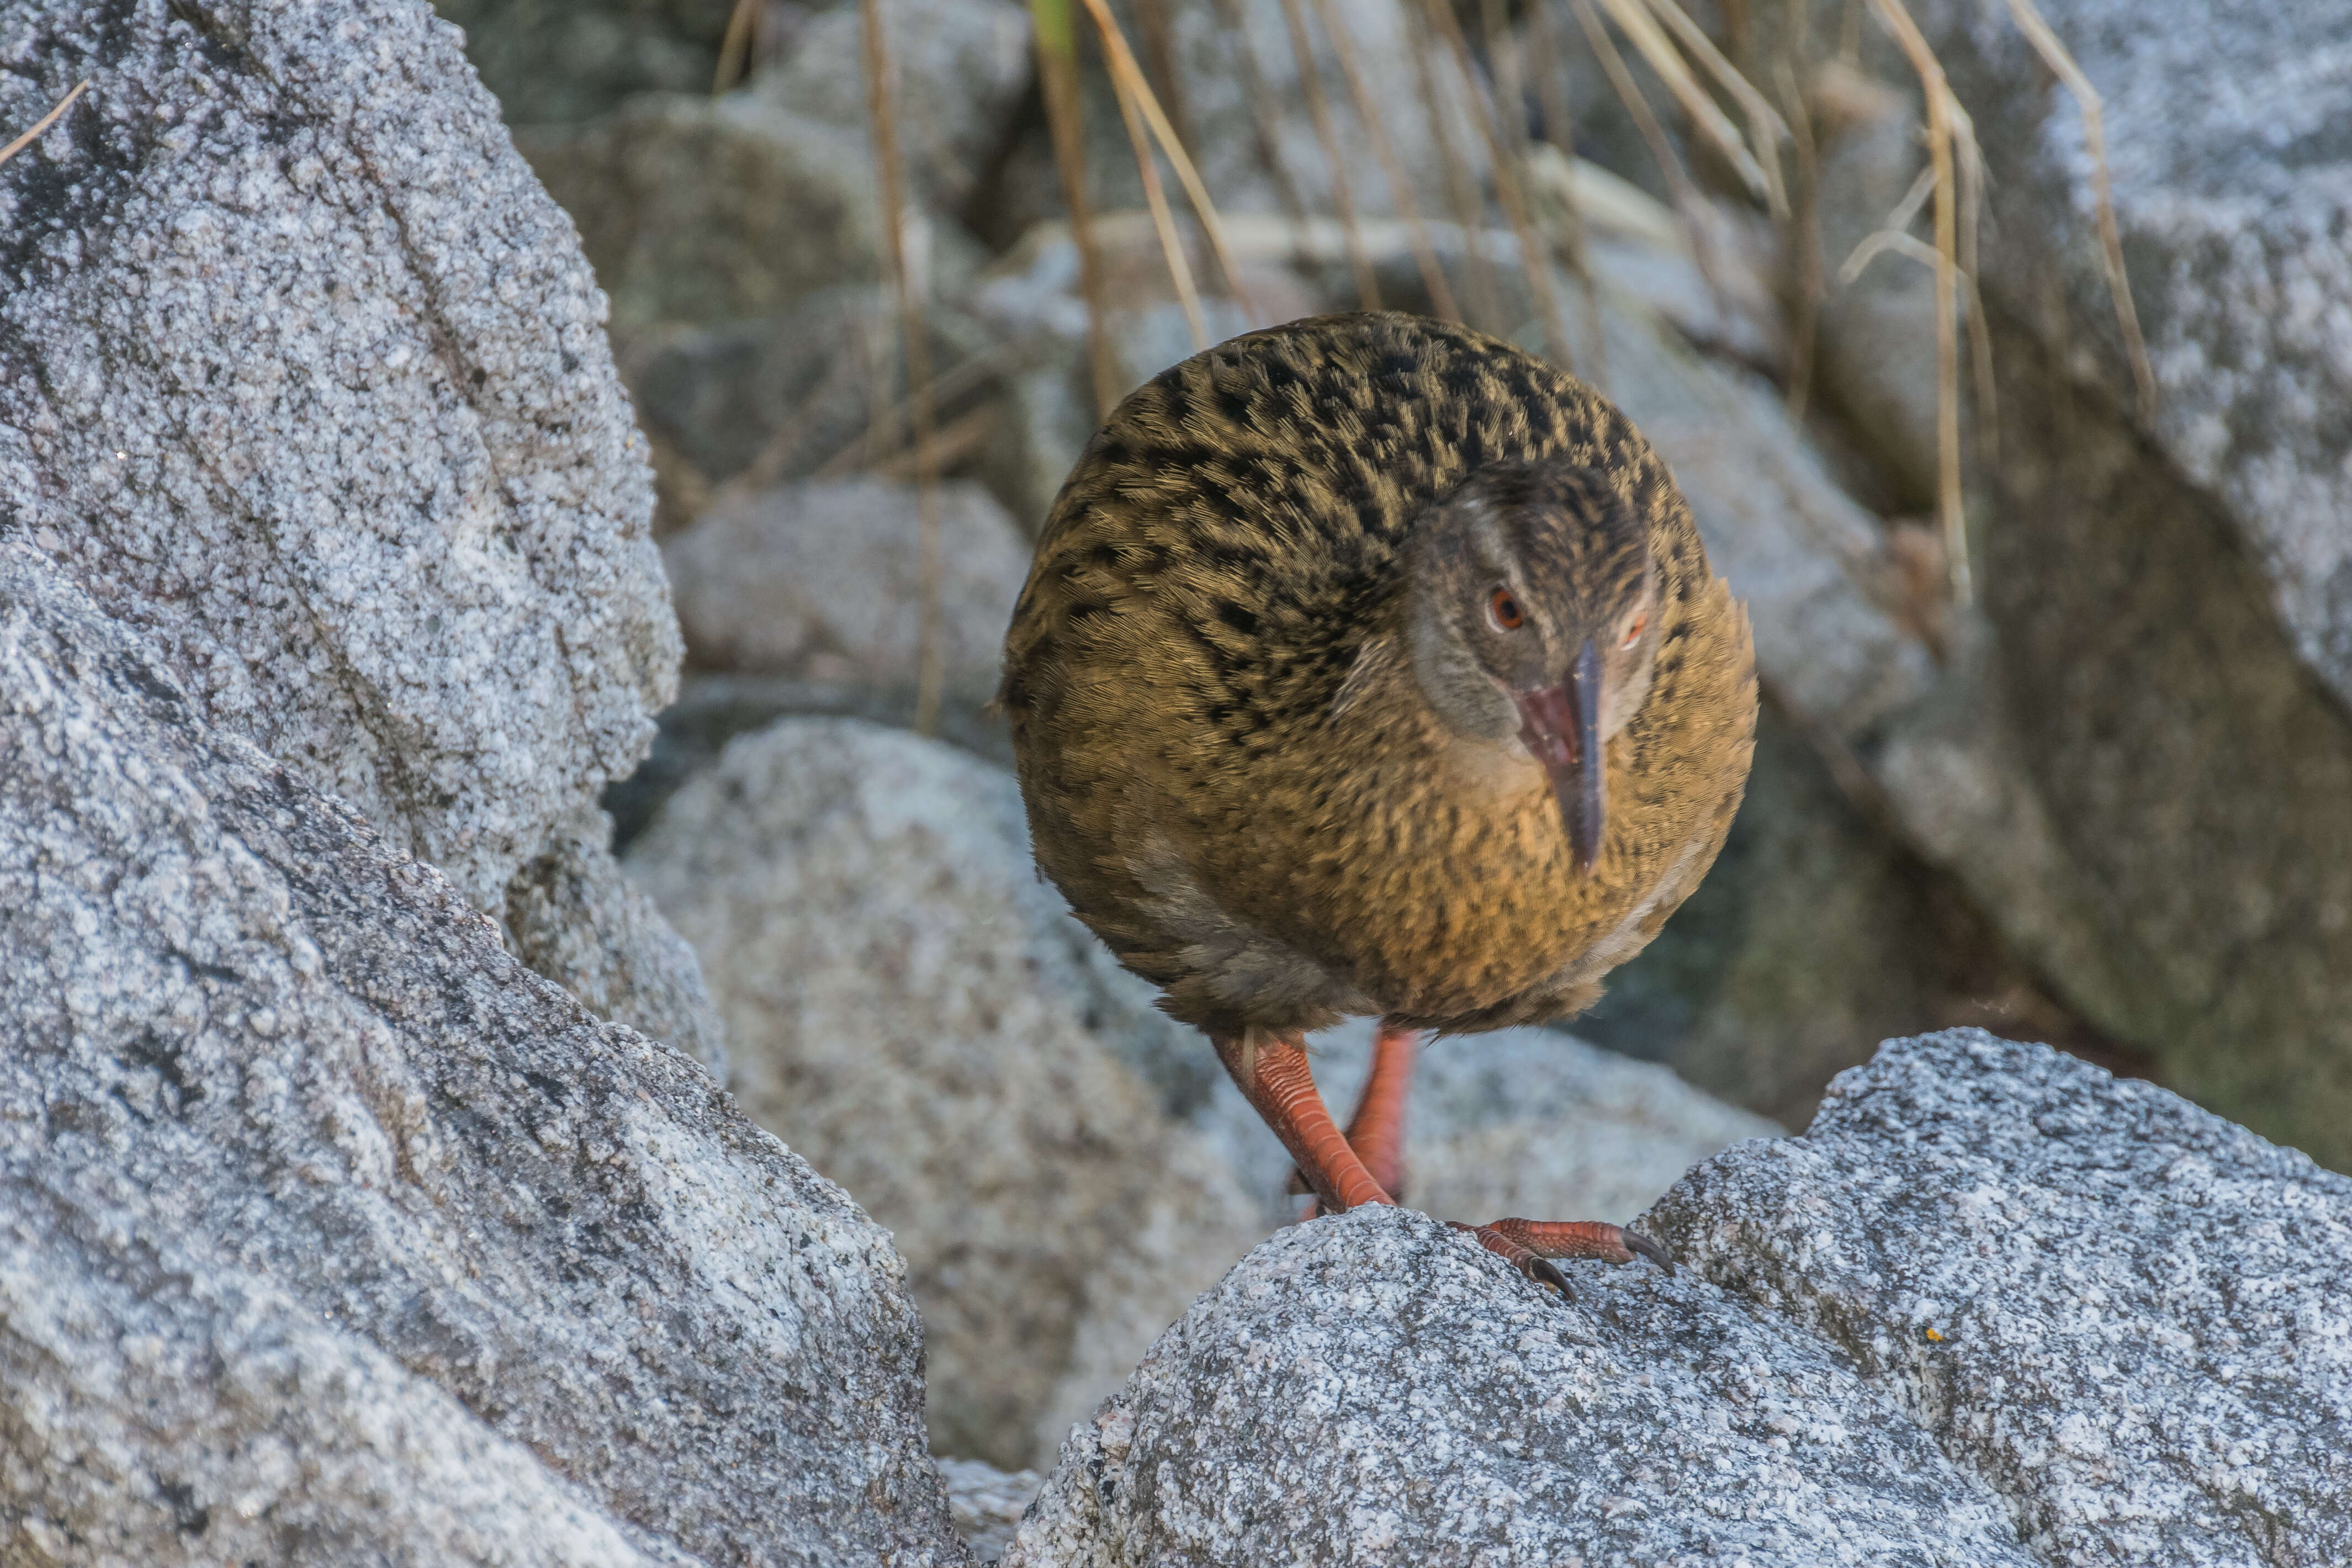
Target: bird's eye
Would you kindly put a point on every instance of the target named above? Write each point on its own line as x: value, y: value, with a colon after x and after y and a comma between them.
x: 1504, y: 611
x: 1634, y: 628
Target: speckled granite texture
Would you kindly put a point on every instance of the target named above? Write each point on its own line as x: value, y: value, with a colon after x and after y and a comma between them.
x: 303, y: 375
x: 1996, y: 1308
x: 331, y: 1233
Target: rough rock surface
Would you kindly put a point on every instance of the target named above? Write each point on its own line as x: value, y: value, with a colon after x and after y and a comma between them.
x: 2145, y: 1312
x: 822, y: 580
x: 914, y: 1012
x: 1376, y: 1389
x: 2235, y: 207
x: 961, y: 66
x: 333, y: 1234
x: 704, y: 210
x: 987, y: 1503
x: 2141, y: 1355
x: 303, y: 375
x: 1520, y: 1121
x: 574, y: 918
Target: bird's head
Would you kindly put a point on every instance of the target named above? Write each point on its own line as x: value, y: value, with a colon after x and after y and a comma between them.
x: 1532, y: 619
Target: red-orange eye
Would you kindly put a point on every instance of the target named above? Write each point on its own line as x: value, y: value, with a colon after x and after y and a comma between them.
x: 1506, y: 610
x: 1633, y: 632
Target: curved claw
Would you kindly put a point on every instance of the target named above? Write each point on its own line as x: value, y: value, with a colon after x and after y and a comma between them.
x: 1544, y: 1271
x: 1636, y: 1242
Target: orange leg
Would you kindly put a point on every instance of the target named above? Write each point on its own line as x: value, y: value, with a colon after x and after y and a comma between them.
x: 1375, y: 1131
x: 1273, y: 1072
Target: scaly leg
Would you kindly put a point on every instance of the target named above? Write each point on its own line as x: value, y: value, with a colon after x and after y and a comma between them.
x: 1273, y: 1072
x: 1375, y: 1131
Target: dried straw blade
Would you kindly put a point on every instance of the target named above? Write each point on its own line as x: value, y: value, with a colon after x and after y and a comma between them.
x: 930, y: 654
x: 1368, y: 114
x: 1765, y: 126
x: 735, y: 48
x: 43, y: 123
x: 1940, y: 105
x: 1534, y: 259
x: 1318, y: 113
x: 1633, y: 19
x: 1163, y: 223
x: 1057, y: 80
x: 1122, y: 62
x: 2094, y: 138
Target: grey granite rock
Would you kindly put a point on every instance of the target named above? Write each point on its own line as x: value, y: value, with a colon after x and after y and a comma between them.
x: 2140, y: 1354
x: 911, y: 1009
x: 564, y: 60
x: 961, y: 66
x: 2145, y: 1312
x: 820, y: 580
x: 2235, y: 200
x: 335, y: 1235
x: 301, y: 374
x: 574, y: 918
x: 1377, y: 1389
x: 987, y: 1503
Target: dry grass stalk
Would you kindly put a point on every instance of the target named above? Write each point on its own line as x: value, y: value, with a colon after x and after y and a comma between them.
x: 43, y: 123
x: 1551, y: 90
x: 1311, y: 83
x: 1534, y: 259
x: 1058, y: 78
x: 1122, y: 60
x: 1765, y: 129
x: 930, y: 654
x: 1159, y: 64
x: 1633, y: 19
x: 735, y: 48
x: 1941, y: 106
x: 1462, y: 193
x: 1367, y: 114
x: 2094, y: 138
x: 1687, y: 201
x: 1264, y: 131
x: 1171, y: 245
x: 1805, y: 224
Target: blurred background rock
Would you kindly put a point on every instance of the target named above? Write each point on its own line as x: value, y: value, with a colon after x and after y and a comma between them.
x: 2106, y: 802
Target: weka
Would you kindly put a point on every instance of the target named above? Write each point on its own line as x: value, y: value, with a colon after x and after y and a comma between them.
x: 1368, y: 665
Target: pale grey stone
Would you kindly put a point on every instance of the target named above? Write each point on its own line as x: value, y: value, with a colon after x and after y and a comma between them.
x: 2232, y: 185
x: 335, y: 1235
x: 960, y: 69
x: 574, y: 918
x: 987, y: 1503
x: 914, y: 1011
x: 820, y: 580
x: 301, y: 374
x: 2144, y: 1313
x: 1997, y: 1307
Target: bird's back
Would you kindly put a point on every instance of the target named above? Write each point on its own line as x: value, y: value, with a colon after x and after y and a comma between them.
x: 1207, y: 585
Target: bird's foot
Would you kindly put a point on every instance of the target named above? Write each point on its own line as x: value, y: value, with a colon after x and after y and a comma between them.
x: 1375, y: 1131
x: 1529, y: 1244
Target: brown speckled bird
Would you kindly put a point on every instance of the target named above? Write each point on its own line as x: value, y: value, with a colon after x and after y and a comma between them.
x: 1368, y: 665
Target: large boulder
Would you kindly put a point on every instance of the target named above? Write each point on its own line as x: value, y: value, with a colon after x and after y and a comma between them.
x: 1995, y: 1307
x: 2232, y: 203
x: 303, y: 375
x: 913, y: 1011
x: 335, y: 1235
x: 822, y: 581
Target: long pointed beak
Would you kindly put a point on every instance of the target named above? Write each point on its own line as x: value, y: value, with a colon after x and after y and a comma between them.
x: 1561, y: 726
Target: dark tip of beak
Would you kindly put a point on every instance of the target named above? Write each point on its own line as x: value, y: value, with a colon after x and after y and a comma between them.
x: 1561, y: 727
